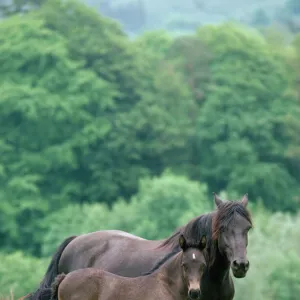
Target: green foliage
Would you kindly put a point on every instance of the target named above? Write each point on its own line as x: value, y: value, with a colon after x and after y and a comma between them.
x: 292, y: 119
x: 274, y: 263
x: 193, y: 59
x: 43, y: 114
x: 284, y: 279
x: 243, y: 118
x: 20, y: 273
x: 176, y: 198
x: 155, y: 44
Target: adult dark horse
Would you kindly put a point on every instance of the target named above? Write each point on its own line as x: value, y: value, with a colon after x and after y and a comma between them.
x: 127, y: 255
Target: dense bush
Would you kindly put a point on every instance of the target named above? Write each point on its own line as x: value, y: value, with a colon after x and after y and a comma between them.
x: 20, y: 273
x: 273, y: 258
x: 175, y: 198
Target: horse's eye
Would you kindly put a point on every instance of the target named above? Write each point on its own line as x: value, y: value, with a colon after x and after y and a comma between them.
x: 247, y: 229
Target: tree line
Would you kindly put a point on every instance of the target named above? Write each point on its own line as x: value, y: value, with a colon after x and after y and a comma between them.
x: 102, y: 131
x: 177, y: 17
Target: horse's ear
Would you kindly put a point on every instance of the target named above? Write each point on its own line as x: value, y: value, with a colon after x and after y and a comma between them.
x: 244, y: 200
x: 182, y: 242
x: 202, y: 243
x: 218, y: 200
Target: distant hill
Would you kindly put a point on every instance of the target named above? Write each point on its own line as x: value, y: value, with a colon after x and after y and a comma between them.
x: 180, y: 16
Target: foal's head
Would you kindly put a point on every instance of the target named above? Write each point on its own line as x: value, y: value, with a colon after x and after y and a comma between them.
x: 230, y: 228
x: 193, y: 265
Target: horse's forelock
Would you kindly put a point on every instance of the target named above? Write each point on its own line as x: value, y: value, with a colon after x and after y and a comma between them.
x: 225, y: 214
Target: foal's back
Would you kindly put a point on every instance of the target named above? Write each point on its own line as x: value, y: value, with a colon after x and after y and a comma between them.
x: 96, y: 284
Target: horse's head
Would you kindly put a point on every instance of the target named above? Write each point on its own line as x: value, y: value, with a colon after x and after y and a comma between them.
x: 193, y: 265
x: 230, y: 228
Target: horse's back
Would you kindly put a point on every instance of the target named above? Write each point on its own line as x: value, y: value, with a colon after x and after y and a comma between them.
x: 111, y: 250
x: 121, y: 233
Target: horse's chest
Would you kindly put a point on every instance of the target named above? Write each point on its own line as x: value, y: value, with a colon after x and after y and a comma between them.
x: 217, y: 292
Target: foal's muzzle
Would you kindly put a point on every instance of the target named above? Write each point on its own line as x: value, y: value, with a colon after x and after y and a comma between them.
x: 194, y: 294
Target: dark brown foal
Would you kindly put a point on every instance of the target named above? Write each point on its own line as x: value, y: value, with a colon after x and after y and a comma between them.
x: 177, y: 279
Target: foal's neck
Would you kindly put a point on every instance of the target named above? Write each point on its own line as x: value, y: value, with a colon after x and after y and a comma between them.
x: 171, y: 274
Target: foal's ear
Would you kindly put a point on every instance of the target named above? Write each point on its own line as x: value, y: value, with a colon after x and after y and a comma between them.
x: 182, y: 242
x: 244, y: 200
x: 202, y: 243
x: 218, y: 200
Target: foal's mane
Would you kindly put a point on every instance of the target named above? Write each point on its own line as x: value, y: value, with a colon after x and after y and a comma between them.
x: 161, y: 262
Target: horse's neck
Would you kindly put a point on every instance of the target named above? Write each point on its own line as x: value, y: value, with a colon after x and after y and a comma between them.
x: 220, y: 268
x: 171, y: 274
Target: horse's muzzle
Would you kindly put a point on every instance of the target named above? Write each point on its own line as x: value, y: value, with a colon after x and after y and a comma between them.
x: 240, y: 268
x: 194, y: 294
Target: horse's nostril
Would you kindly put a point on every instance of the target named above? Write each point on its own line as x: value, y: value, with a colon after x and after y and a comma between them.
x: 240, y: 264
x: 194, y: 294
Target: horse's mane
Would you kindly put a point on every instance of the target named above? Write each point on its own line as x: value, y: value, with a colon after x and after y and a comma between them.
x: 172, y: 241
x: 192, y: 231
x: 196, y: 228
